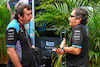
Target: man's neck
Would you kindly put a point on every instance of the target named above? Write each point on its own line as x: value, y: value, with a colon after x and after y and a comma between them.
x: 22, y: 22
x: 76, y: 24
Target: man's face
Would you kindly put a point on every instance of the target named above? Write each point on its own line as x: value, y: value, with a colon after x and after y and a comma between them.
x: 72, y: 19
x: 27, y: 15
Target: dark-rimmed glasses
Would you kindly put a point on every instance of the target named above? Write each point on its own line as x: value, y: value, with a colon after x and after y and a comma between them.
x: 72, y: 16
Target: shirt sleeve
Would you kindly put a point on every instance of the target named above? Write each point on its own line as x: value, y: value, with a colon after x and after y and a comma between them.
x: 77, y: 38
x: 11, y: 37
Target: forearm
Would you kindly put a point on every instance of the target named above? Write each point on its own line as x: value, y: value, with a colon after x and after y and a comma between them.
x: 14, y: 58
x: 72, y: 50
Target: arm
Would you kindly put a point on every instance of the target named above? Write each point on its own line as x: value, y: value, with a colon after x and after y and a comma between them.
x: 13, y: 56
x: 76, y: 42
x: 60, y: 51
x: 11, y: 36
x: 72, y: 50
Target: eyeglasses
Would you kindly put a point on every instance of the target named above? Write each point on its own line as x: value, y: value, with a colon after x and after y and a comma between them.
x: 72, y: 16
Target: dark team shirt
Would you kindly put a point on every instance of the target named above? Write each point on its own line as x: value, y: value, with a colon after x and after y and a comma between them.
x: 78, y: 39
x: 18, y: 38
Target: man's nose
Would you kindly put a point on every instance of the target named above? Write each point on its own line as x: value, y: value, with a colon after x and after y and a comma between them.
x: 30, y: 15
x: 69, y: 18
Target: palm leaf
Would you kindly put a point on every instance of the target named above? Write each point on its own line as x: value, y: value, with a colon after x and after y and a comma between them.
x: 4, y: 20
x: 56, y: 15
x: 94, y: 34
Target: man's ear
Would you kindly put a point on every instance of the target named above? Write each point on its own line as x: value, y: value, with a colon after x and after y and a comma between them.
x: 20, y: 17
x: 79, y: 19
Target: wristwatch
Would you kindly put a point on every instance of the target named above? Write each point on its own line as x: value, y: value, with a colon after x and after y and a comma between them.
x: 62, y: 48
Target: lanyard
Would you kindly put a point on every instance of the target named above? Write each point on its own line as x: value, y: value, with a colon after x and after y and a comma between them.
x: 25, y: 33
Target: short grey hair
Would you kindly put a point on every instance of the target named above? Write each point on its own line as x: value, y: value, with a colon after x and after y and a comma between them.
x: 81, y: 13
x: 19, y: 9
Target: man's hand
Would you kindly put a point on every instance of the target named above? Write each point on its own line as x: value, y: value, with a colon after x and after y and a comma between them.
x: 33, y: 47
x: 59, y: 51
x: 63, y: 43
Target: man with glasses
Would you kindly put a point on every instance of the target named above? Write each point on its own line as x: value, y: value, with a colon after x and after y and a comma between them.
x: 77, y: 50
